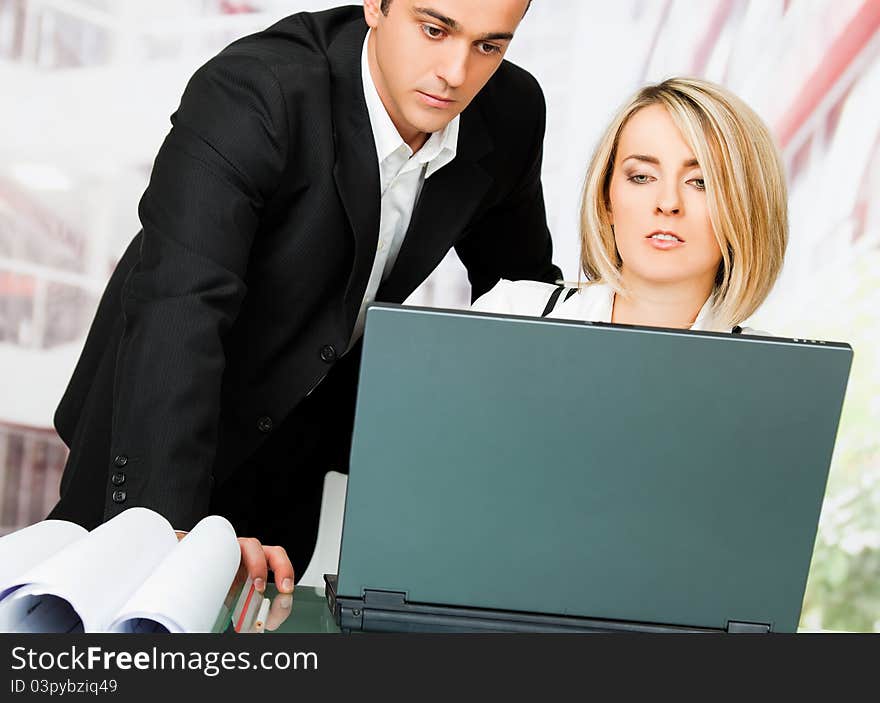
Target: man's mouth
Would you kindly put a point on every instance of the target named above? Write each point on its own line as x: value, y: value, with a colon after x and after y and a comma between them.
x: 434, y: 100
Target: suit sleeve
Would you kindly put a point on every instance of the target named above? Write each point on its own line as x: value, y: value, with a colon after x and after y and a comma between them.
x: 221, y: 161
x: 512, y: 239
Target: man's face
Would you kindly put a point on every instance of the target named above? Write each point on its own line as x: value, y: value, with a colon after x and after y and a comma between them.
x: 429, y: 58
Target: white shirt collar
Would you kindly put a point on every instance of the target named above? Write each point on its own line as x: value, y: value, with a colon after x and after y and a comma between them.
x: 438, y: 151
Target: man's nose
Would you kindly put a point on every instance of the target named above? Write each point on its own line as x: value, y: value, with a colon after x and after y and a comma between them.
x: 453, y: 69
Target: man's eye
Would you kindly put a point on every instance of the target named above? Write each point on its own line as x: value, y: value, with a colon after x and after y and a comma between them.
x: 489, y: 49
x: 431, y: 31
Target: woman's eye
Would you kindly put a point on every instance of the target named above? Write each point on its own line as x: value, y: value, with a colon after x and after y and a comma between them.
x: 431, y: 31
x: 699, y: 183
x: 639, y: 178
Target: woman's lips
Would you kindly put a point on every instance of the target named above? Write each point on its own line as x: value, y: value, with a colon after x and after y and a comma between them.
x: 433, y: 100
x: 664, y: 242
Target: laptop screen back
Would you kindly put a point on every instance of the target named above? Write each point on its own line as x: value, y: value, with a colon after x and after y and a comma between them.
x: 558, y: 467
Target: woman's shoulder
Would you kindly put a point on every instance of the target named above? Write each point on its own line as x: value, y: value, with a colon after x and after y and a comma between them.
x: 516, y: 298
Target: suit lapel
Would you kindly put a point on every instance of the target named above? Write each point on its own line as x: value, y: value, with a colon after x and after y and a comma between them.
x: 446, y: 205
x: 356, y: 170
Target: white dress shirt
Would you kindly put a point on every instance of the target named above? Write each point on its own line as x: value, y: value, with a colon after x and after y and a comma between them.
x: 593, y: 302
x: 401, y: 177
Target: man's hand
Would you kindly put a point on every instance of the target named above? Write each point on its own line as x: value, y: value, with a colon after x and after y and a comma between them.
x: 257, y: 559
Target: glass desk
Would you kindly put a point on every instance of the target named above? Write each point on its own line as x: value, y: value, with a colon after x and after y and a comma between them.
x: 305, y: 611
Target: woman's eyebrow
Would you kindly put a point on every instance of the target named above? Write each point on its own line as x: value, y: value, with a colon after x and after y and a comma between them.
x: 654, y: 160
x: 643, y: 157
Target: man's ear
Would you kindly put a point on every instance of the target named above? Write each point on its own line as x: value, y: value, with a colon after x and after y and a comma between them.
x: 372, y: 12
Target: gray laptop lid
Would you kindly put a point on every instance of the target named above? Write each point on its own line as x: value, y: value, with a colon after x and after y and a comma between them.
x: 570, y: 468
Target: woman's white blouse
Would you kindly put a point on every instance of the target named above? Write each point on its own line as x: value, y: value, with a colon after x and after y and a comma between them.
x: 593, y: 302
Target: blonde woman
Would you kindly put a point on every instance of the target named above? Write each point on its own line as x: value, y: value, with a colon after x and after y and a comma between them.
x: 683, y: 218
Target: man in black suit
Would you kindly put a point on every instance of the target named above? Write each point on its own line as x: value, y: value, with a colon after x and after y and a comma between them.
x: 219, y: 373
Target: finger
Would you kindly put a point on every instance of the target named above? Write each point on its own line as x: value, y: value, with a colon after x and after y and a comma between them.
x: 279, y: 611
x: 279, y: 562
x: 254, y: 561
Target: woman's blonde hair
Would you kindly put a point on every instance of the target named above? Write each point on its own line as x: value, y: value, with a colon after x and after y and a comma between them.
x: 745, y: 190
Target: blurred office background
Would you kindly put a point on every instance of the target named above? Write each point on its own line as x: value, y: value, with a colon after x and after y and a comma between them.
x: 87, y: 86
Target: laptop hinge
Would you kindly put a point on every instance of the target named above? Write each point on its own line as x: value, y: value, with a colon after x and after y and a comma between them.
x: 384, y: 599
x: 351, y: 616
x: 747, y: 627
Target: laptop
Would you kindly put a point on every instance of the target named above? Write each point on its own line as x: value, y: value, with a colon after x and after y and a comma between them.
x: 541, y: 475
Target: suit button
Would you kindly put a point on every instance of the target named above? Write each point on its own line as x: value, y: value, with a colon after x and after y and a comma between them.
x: 264, y: 424
x: 328, y: 353
x: 119, y: 496
x: 118, y: 478
x: 120, y: 461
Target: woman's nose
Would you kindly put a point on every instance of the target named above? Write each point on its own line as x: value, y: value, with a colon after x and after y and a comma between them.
x: 669, y: 201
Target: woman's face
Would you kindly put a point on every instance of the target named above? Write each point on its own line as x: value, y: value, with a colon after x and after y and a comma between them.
x: 658, y: 206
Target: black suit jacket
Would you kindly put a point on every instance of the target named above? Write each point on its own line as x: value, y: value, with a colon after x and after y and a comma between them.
x: 260, y: 225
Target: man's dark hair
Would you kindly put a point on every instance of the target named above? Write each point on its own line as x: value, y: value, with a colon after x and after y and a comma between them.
x: 387, y: 3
